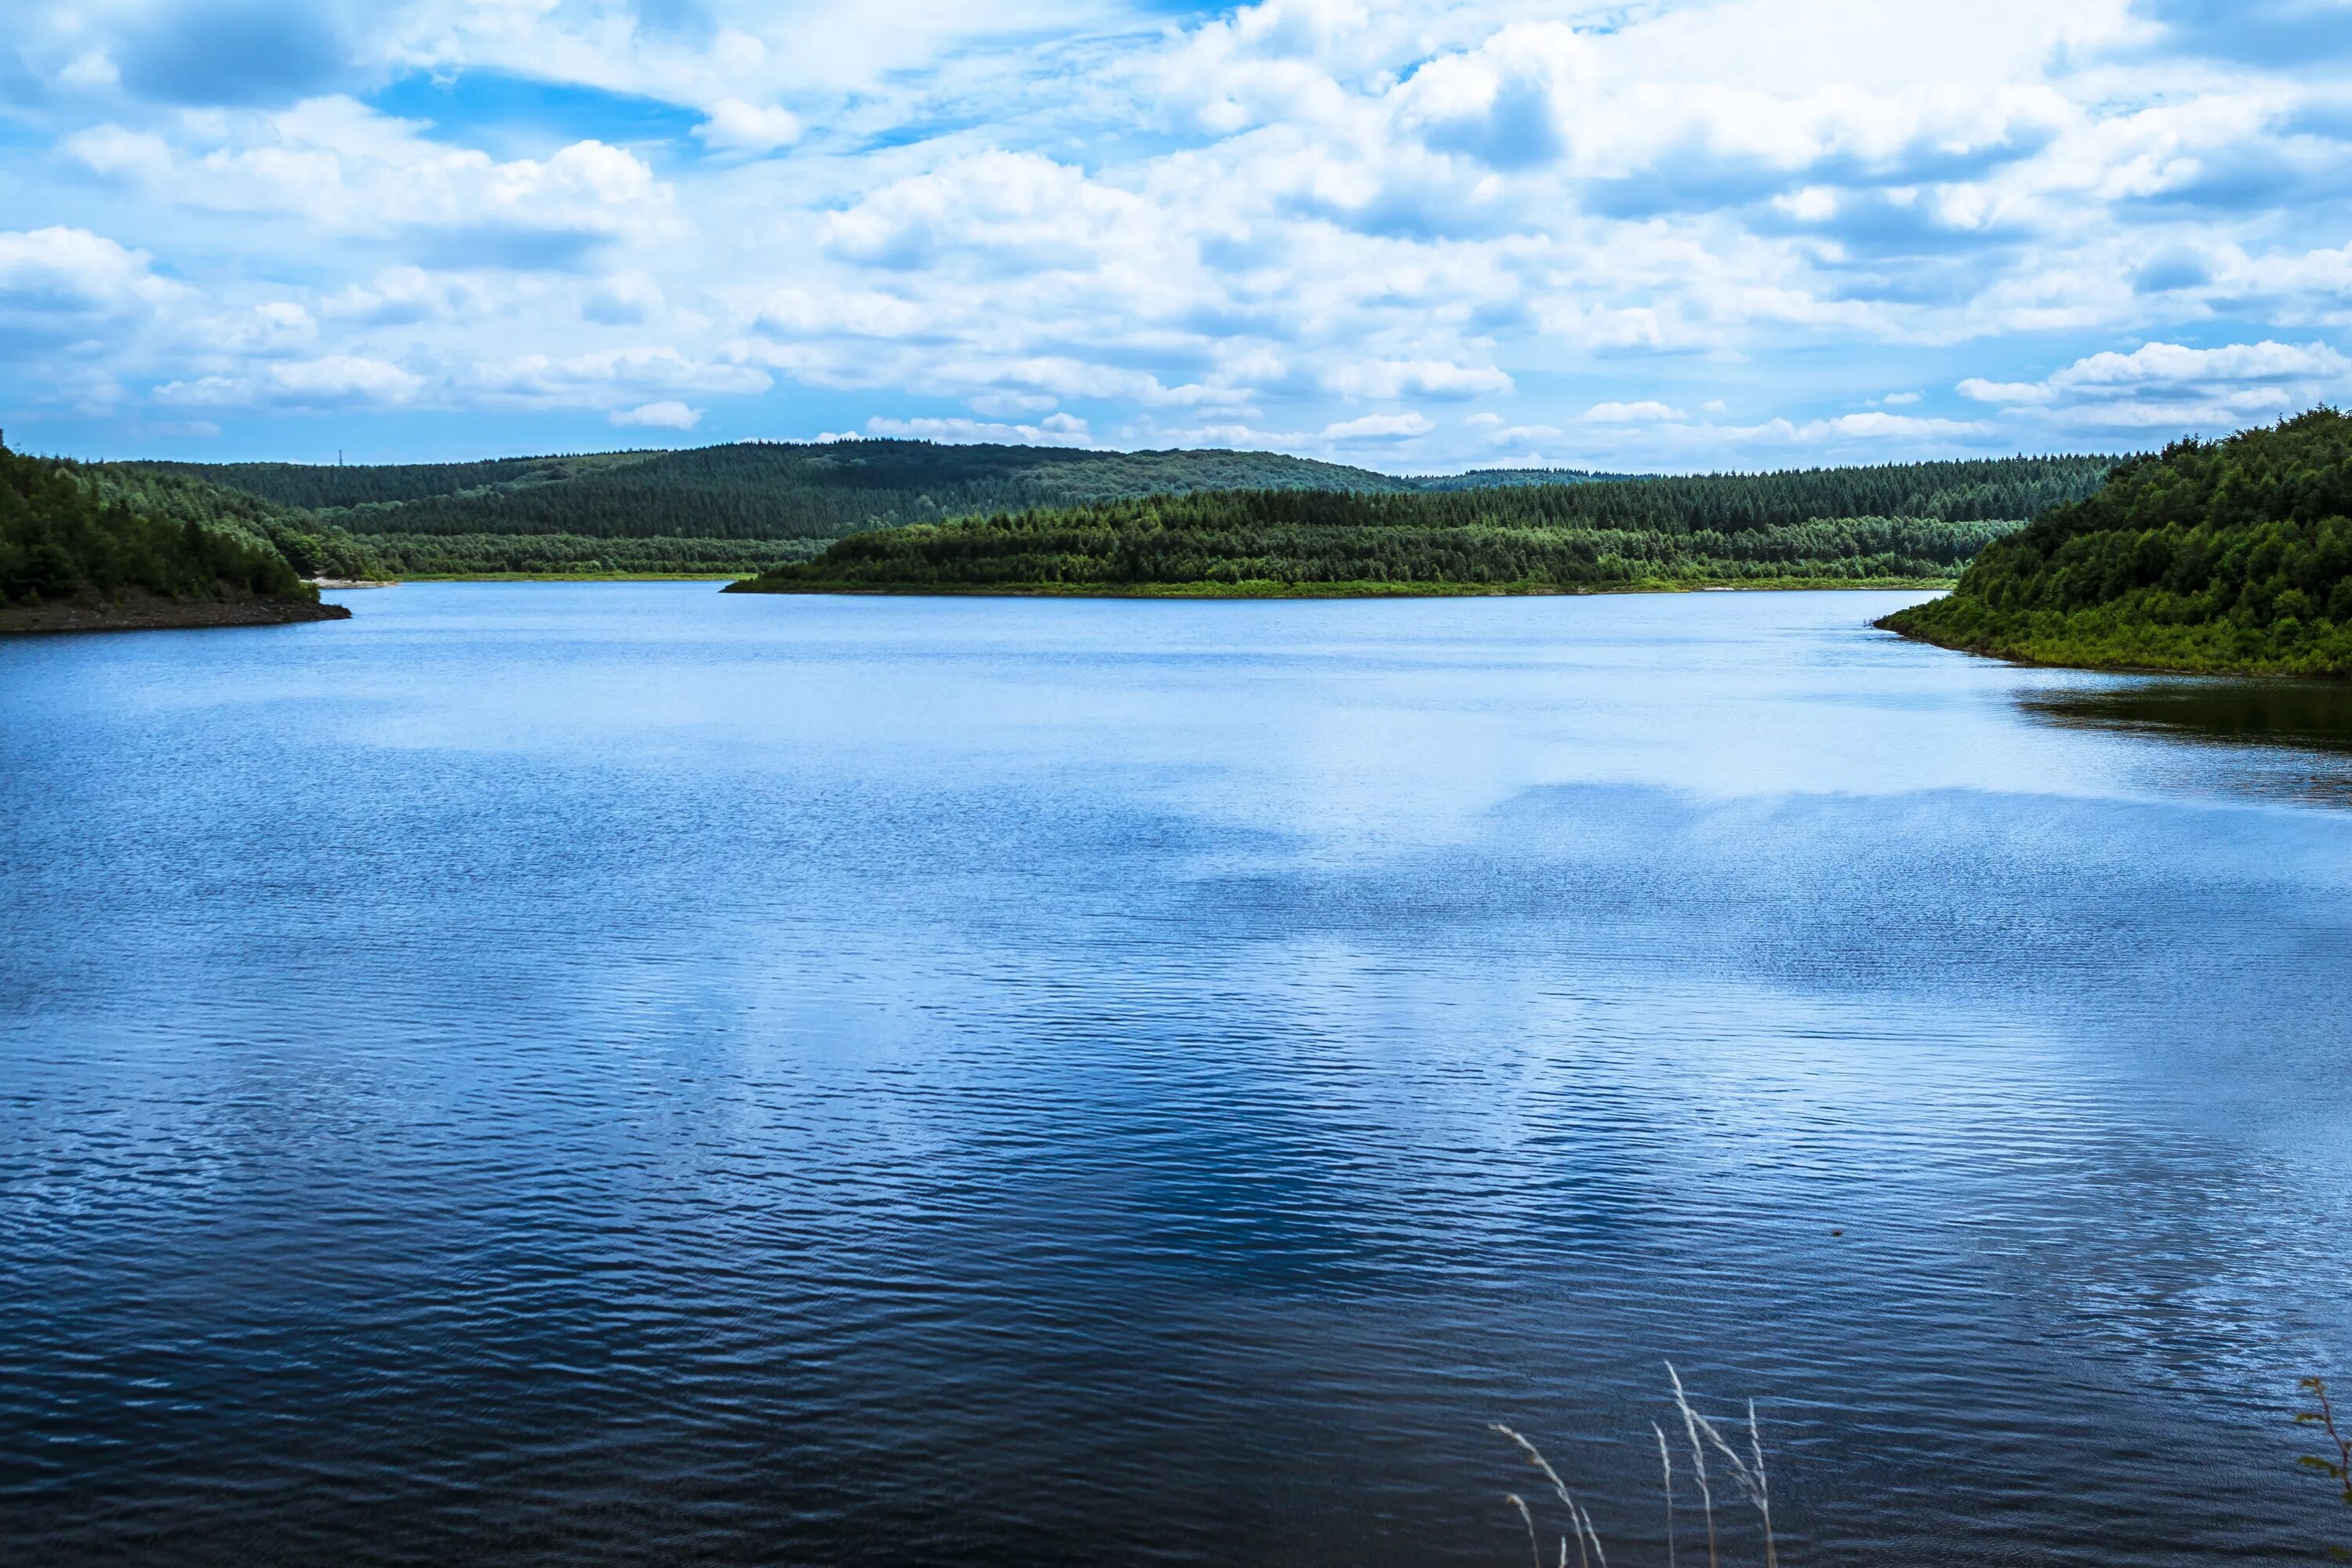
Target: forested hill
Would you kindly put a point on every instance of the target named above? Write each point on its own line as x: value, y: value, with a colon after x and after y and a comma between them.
x: 2225, y: 556
x: 90, y: 547
x: 756, y: 490
x: 1911, y: 523
x: 748, y: 506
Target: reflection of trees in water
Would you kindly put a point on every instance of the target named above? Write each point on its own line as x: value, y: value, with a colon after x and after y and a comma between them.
x: 2293, y: 714
x: 2291, y: 739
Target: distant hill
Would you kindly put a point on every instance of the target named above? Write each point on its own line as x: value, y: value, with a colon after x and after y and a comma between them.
x: 1914, y: 522
x: 2232, y: 556
x: 91, y: 547
x: 768, y: 490
x: 748, y: 506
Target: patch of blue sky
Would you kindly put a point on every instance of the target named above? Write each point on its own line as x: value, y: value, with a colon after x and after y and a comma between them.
x: 517, y: 116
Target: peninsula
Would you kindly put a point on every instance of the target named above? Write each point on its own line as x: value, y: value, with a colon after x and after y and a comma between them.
x: 94, y: 548
x: 2221, y: 557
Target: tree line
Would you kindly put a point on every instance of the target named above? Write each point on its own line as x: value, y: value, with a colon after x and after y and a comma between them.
x: 752, y: 495
x: 1527, y: 538
x: 751, y: 491
x: 2209, y: 555
x: 70, y: 531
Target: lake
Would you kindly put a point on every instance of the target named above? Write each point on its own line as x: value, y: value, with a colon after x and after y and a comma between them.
x: 601, y: 1073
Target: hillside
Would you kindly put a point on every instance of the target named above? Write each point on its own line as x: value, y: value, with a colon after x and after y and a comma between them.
x: 1915, y: 522
x: 86, y: 548
x: 723, y: 508
x: 2232, y: 556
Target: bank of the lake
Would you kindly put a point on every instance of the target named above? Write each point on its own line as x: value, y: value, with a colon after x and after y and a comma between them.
x: 136, y: 609
x: 1272, y: 589
x: 2230, y: 557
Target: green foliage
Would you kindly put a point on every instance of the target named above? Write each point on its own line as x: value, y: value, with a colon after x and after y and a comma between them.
x: 750, y: 506
x: 477, y: 555
x: 68, y: 530
x: 754, y: 491
x: 1595, y: 533
x: 2233, y: 555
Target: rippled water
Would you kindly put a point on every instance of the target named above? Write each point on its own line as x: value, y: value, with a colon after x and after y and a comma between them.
x: 547, y: 1074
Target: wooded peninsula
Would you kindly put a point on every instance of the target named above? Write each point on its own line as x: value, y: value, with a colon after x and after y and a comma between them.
x: 2231, y: 556
x: 92, y: 547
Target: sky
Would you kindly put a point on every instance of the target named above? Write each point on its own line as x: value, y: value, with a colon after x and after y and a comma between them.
x: 1421, y: 236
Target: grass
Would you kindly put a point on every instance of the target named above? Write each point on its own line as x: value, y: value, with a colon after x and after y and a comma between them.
x: 2110, y: 637
x: 2338, y: 1469
x: 1746, y: 1473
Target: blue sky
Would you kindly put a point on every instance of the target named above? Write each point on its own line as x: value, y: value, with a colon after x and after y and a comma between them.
x: 1420, y: 236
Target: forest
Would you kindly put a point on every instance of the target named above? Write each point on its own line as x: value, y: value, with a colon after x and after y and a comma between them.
x: 1908, y: 523
x: 745, y: 507
x: 2224, y: 556
x: 80, y: 545
x: 753, y: 492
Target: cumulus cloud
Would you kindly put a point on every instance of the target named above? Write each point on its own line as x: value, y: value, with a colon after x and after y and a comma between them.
x: 2170, y: 385
x: 334, y: 381
x: 749, y: 127
x: 1630, y: 413
x: 62, y: 274
x: 1289, y: 222
x: 1055, y: 430
x: 667, y: 415
x: 338, y: 166
x: 1377, y: 426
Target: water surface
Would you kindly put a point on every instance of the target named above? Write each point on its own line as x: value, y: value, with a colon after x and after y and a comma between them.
x: 616, y: 1073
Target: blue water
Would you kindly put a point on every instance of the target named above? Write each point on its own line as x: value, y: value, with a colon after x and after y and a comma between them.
x: 621, y: 1074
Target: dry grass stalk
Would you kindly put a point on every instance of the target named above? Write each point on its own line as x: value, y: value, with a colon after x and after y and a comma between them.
x: 1667, y: 1464
x: 2337, y: 1469
x: 1748, y: 1473
x: 1698, y: 1460
x: 1534, y: 1549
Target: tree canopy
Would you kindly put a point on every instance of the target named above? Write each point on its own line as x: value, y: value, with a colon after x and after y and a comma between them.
x: 72, y: 530
x: 1901, y: 522
x: 2233, y: 554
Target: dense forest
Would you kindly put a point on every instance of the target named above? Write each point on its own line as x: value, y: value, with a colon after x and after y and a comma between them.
x: 749, y: 506
x: 755, y: 490
x: 84, y: 547
x: 1914, y: 523
x: 2230, y: 555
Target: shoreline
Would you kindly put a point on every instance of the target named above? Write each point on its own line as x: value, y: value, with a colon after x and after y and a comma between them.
x: 561, y: 577
x: 144, y: 612
x: 2089, y: 663
x: 1356, y: 590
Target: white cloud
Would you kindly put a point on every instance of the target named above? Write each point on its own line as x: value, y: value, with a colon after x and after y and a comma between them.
x: 2173, y: 386
x: 667, y: 415
x: 1891, y: 426
x: 1386, y: 379
x: 333, y: 381
x: 1055, y: 430
x: 1630, y: 412
x: 60, y: 273
x: 336, y: 164
x: 1282, y: 222
x: 749, y: 127
x: 1376, y: 426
